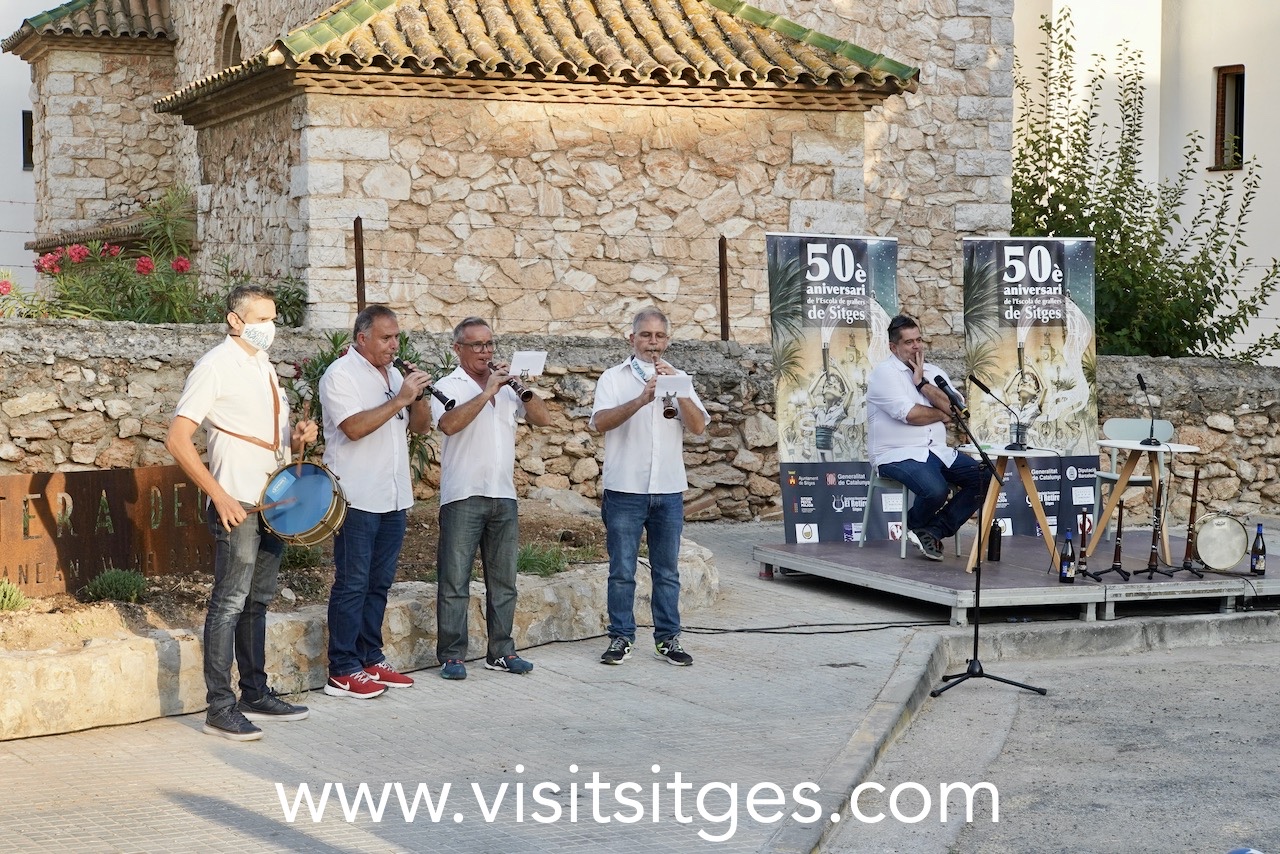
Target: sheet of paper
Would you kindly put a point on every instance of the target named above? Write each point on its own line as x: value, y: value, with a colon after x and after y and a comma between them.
x: 528, y: 363
x: 681, y: 384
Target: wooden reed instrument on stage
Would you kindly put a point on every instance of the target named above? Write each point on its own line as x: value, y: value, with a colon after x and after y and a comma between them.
x: 1115, y: 558
x: 1157, y: 528
x: 1190, y: 553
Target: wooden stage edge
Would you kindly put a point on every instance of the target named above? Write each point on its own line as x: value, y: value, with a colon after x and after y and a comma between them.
x: 1022, y: 578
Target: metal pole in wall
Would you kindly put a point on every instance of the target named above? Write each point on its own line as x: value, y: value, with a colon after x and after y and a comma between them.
x: 724, y: 288
x: 359, y: 265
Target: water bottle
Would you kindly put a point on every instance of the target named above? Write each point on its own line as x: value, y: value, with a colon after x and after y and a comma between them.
x: 1258, y: 555
x: 1067, y: 562
x: 993, y: 541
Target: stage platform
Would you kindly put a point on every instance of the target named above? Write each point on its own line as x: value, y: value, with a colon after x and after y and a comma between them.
x: 1022, y: 578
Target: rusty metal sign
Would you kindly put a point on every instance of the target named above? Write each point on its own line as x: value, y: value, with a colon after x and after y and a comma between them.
x: 58, y: 530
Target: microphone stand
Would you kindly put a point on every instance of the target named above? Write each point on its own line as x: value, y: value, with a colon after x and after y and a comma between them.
x: 1018, y: 439
x: 974, y: 670
x: 1151, y: 439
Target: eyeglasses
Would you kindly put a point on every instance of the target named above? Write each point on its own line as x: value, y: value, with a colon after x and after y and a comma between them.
x: 479, y: 346
x: 399, y: 412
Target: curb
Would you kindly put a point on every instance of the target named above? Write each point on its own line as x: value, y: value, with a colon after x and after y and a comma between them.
x: 928, y: 655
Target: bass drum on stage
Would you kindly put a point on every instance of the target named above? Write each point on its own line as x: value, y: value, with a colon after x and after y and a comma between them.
x: 303, y: 504
x: 1221, y: 541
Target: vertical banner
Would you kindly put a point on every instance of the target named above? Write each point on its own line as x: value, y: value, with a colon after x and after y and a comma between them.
x: 831, y: 299
x: 1029, y: 336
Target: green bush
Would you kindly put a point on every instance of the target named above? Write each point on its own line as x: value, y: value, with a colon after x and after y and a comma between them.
x: 1172, y: 276
x: 11, y: 598
x: 544, y: 561
x: 157, y: 283
x: 116, y: 585
x: 301, y: 557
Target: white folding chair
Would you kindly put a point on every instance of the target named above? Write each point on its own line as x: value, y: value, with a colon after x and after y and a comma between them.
x: 1130, y: 429
x: 880, y: 482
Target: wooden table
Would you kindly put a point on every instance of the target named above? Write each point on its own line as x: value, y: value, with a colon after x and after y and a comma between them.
x: 1136, y: 450
x: 1000, y: 458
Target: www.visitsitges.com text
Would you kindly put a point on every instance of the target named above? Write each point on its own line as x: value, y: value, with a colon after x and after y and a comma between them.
x: 663, y: 798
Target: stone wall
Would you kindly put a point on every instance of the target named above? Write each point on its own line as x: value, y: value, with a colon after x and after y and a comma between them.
x: 80, y: 686
x: 555, y: 218
x: 100, y: 153
x: 937, y: 164
x: 81, y: 395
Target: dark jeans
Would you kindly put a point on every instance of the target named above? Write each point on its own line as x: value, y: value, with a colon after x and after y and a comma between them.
x: 626, y: 515
x: 931, y: 482
x: 365, y: 552
x: 492, y: 524
x: 245, y: 565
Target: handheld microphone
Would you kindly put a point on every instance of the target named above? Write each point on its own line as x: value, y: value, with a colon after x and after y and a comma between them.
x: 1151, y: 435
x: 1019, y: 437
x: 957, y: 402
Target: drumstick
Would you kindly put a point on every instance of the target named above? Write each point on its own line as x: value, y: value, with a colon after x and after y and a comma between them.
x: 283, y: 502
x: 306, y: 413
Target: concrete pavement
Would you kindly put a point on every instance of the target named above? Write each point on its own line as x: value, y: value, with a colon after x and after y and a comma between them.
x: 762, y: 739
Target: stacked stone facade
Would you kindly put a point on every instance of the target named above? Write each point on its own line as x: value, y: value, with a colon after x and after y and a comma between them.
x: 545, y: 217
x: 101, y: 152
x: 81, y: 395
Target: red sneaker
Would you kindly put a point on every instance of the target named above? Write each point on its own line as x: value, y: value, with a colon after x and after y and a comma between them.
x: 385, y: 674
x: 358, y: 686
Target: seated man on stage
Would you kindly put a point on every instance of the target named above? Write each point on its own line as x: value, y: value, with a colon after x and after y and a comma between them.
x: 907, y: 418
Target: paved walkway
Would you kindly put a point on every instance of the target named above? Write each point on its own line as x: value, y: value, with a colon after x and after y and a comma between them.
x: 760, y: 715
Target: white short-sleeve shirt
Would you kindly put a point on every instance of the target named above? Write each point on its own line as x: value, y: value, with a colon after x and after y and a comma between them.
x: 232, y: 390
x: 373, y: 471
x: 891, y: 392
x: 645, y: 453
x: 480, y: 458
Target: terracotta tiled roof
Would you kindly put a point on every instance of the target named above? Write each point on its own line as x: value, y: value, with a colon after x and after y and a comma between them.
x: 113, y: 18
x: 697, y: 43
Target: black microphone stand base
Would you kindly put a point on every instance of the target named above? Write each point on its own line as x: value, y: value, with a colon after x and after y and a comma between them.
x: 975, y: 671
x: 1187, y: 566
x: 1123, y: 573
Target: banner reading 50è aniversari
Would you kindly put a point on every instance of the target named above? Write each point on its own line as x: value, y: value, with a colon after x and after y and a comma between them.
x: 1029, y: 336
x: 831, y: 298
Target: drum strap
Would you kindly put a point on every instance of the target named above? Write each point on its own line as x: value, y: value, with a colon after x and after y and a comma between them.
x: 274, y: 447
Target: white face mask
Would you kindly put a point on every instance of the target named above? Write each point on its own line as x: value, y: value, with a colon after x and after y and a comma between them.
x: 260, y: 335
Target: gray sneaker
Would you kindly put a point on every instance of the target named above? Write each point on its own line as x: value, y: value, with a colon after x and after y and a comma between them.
x: 231, y: 723
x: 929, y: 545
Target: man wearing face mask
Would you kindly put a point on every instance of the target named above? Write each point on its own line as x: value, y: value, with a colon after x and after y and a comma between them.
x: 234, y: 392
x: 368, y: 409
x: 478, y: 500
x: 643, y: 484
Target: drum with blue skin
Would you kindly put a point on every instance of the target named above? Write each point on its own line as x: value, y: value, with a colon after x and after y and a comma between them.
x: 303, y: 504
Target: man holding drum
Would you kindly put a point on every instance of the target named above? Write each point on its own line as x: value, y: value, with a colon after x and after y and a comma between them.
x: 478, y: 499
x: 368, y: 410
x: 234, y: 392
x: 644, y: 482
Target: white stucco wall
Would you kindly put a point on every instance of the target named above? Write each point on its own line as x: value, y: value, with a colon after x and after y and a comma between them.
x: 1183, y: 42
x: 17, y: 187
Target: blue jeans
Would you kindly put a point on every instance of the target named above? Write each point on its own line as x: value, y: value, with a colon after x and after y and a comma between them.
x: 493, y: 525
x: 365, y: 552
x: 626, y: 515
x: 246, y: 561
x: 931, y: 482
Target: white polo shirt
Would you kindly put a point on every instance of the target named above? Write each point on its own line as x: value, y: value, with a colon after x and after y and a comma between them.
x: 891, y: 392
x: 480, y: 458
x: 230, y: 389
x: 373, y: 471
x: 644, y: 454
